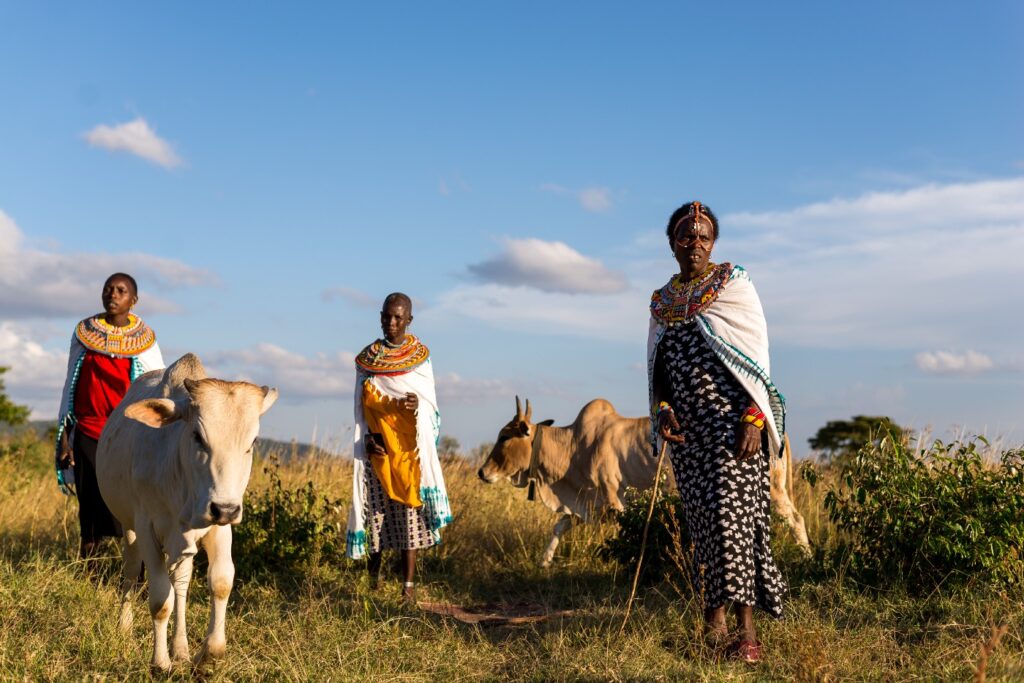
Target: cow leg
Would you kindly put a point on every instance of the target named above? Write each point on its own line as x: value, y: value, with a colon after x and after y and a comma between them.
x: 221, y: 577
x: 130, y: 570
x: 181, y: 577
x: 161, y: 598
x: 561, y: 526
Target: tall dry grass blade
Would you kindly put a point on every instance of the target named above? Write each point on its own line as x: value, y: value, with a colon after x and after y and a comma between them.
x: 987, y: 648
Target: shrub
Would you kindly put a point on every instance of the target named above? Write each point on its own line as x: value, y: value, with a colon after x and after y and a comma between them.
x: 668, y: 540
x: 287, y: 531
x: 939, y: 517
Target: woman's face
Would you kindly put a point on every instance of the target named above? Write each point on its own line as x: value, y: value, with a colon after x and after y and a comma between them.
x: 118, y: 297
x: 394, y: 320
x: 692, y: 245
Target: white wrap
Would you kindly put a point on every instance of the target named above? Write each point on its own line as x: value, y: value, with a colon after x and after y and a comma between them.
x: 735, y: 329
x: 420, y: 381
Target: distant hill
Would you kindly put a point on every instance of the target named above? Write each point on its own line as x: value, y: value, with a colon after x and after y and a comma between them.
x: 285, y: 450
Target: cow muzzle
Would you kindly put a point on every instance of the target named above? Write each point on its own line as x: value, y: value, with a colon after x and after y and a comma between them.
x: 225, y: 513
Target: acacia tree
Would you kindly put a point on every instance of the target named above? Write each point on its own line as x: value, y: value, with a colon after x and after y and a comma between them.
x: 10, y: 412
x: 839, y: 439
x: 448, y: 446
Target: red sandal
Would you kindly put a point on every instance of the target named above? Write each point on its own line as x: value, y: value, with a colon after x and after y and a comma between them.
x: 746, y: 651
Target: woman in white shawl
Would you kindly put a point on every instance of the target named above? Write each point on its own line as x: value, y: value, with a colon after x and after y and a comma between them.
x: 399, y: 500
x: 713, y: 400
x: 108, y: 352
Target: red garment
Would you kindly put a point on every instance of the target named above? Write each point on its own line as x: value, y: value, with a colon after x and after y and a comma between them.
x: 102, y: 383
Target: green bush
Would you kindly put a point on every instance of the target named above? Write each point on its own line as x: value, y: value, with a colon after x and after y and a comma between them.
x: 287, y: 531
x: 938, y: 517
x: 668, y: 540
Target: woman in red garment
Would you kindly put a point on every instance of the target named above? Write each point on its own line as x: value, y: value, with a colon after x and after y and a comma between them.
x: 108, y: 351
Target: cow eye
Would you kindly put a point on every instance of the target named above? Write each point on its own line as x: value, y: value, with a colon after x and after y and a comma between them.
x: 199, y: 440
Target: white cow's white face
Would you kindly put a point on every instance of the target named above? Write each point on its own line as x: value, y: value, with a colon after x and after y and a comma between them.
x: 221, y: 422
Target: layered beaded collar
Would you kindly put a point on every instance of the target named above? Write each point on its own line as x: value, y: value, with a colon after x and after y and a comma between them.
x: 382, y: 358
x: 96, y: 334
x: 682, y: 300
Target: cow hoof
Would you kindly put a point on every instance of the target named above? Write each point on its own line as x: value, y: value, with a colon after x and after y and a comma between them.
x: 179, y: 653
x: 160, y: 668
x: 208, y: 653
x: 545, y: 564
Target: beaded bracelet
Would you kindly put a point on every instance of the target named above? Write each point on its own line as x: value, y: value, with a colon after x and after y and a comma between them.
x: 755, y: 417
x: 663, y: 407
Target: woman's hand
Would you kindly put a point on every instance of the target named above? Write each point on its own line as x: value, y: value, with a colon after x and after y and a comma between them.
x: 667, y: 424
x: 67, y: 456
x: 373, y: 444
x: 410, y: 402
x: 748, y: 440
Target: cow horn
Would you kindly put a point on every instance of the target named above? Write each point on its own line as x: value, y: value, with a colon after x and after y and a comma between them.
x: 529, y: 411
x: 519, y: 409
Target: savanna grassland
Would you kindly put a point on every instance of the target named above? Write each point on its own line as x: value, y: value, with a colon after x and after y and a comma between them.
x: 322, y: 621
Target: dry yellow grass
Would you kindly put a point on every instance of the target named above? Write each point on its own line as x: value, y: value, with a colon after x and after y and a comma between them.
x: 327, y: 625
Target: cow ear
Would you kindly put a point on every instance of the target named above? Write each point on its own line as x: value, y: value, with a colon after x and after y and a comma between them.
x: 190, y: 386
x: 546, y: 423
x: 155, y: 412
x: 269, y: 396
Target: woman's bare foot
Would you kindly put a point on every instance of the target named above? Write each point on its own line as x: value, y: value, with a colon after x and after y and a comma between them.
x: 409, y: 593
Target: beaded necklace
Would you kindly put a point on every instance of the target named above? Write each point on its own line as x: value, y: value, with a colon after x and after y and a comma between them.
x: 383, y: 358
x: 96, y: 334
x: 680, y: 301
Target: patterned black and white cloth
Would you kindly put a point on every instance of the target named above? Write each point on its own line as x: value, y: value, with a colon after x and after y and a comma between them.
x: 390, y: 524
x: 726, y: 499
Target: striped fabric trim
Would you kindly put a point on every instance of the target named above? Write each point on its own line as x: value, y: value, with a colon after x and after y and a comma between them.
x: 736, y: 359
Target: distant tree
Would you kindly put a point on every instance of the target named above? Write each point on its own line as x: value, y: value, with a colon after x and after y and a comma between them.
x: 839, y: 439
x: 448, y: 446
x: 11, y: 413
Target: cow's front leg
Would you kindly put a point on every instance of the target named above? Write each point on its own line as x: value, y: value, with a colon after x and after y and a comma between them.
x: 221, y: 577
x: 561, y: 526
x: 181, y: 577
x: 161, y: 598
x: 130, y: 570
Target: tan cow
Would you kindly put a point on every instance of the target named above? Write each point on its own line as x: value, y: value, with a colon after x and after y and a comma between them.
x: 172, y: 464
x: 587, y: 466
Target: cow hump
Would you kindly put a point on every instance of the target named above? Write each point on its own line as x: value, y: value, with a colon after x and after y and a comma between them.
x: 187, y: 367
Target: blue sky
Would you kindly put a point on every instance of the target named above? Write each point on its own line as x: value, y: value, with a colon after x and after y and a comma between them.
x: 270, y: 173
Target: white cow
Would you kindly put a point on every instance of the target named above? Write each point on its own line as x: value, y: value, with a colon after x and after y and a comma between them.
x: 172, y: 465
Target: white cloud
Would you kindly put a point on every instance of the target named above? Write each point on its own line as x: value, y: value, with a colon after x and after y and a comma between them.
x: 889, y: 269
x: 297, y: 377
x: 134, y: 137
x: 592, y: 199
x: 453, y: 388
x: 356, y: 297
x: 36, y: 374
x: 548, y: 267
x: 595, y: 199
x: 937, y: 263
x: 949, y: 363
x: 40, y: 284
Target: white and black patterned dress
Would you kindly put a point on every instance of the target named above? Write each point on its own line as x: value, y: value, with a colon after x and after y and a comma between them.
x: 390, y: 525
x: 726, y: 499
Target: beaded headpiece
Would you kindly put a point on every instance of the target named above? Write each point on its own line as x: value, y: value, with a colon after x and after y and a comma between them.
x: 696, y: 212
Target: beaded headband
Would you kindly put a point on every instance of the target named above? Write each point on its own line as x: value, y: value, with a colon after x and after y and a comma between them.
x: 697, y: 211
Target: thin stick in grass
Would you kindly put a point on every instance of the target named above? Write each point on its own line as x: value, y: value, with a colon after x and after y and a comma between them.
x: 655, y: 489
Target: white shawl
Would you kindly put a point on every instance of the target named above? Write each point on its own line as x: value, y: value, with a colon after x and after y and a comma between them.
x: 150, y: 359
x: 735, y: 329
x: 420, y: 381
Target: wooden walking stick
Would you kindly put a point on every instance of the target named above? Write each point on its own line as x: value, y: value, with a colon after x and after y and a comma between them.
x: 655, y: 490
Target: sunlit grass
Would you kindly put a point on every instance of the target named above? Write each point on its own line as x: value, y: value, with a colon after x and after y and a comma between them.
x: 56, y: 624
